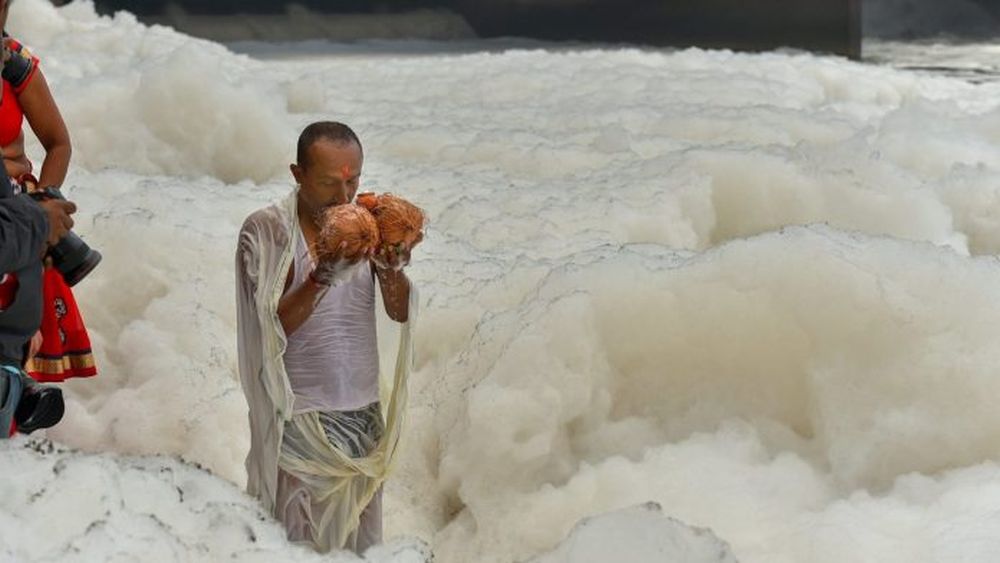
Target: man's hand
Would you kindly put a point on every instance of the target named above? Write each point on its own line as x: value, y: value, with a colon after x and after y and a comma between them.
x: 297, y: 304
x: 60, y: 222
x: 335, y: 268
x: 396, y: 257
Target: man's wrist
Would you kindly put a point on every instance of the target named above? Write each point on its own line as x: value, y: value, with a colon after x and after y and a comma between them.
x: 383, y: 269
x: 316, y: 282
x: 391, y: 276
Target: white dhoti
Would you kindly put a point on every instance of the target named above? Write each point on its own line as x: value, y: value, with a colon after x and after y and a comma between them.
x: 326, y: 499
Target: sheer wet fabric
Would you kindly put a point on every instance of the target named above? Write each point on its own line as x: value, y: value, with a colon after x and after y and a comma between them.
x: 316, y: 487
x: 348, y: 484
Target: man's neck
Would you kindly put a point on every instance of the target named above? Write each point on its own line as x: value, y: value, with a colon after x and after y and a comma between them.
x: 307, y: 216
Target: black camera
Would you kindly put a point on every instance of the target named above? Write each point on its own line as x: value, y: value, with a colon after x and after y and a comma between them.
x: 71, y: 256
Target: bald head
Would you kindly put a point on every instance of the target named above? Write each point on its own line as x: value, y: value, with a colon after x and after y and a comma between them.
x: 332, y: 131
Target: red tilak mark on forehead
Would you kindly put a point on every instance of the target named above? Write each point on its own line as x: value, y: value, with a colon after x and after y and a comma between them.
x: 346, y: 171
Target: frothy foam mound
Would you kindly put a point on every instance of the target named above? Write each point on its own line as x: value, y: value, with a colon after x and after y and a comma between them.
x: 817, y: 360
x: 152, y: 101
x: 68, y: 507
x: 644, y: 534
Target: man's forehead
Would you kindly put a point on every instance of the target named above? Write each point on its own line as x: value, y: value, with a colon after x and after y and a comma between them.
x: 330, y: 147
x: 344, y: 172
x: 343, y: 159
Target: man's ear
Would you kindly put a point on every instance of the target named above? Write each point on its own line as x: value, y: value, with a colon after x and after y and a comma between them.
x: 296, y: 172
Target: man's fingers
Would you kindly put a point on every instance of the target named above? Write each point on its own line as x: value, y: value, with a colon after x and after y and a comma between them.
x: 60, y: 221
x: 393, y: 257
x: 342, y: 255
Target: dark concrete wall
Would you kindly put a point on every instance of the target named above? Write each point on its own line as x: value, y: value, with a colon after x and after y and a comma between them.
x: 978, y: 20
x: 821, y: 25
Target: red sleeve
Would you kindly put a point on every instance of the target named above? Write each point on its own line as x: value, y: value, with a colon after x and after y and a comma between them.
x: 24, y: 61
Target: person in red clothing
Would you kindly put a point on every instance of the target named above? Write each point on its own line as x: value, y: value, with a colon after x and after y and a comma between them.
x: 27, y: 226
x: 61, y: 349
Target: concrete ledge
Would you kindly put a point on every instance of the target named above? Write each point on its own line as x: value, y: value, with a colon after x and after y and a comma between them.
x: 831, y: 26
x: 299, y: 23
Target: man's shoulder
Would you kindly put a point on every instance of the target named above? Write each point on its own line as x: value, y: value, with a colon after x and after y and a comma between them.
x: 266, y: 218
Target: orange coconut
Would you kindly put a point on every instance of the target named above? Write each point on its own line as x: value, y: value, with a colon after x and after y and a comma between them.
x: 399, y: 221
x: 368, y: 200
x: 350, y: 224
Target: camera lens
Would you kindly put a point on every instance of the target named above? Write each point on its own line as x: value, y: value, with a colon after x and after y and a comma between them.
x: 73, y: 258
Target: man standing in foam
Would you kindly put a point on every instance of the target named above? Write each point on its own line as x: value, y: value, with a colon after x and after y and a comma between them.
x: 323, y: 427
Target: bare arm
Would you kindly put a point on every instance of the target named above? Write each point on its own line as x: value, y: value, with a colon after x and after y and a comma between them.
x: 395, y: 293
x: 389, y: 263
x: 297, y: 304
x: 45, y: 120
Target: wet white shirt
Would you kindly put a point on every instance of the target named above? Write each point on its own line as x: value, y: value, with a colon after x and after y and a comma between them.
x: 332, y: 359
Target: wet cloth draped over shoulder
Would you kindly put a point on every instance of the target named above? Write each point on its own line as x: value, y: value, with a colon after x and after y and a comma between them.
x: 263, y: 257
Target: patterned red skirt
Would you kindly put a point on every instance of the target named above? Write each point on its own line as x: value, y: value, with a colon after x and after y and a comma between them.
x: 65, y: 350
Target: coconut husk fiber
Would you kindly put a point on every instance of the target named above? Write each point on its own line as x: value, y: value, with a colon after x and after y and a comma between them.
x: 350, y: 225
x: 399, y: 221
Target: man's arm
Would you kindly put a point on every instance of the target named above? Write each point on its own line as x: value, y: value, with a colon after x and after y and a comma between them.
x: 389, y: 263
x: 24, y: 230
x: 395, y: 293
x: 295, y: 306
